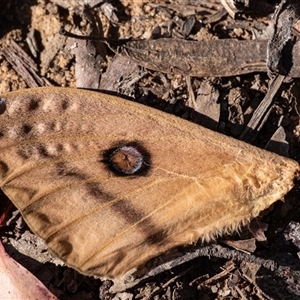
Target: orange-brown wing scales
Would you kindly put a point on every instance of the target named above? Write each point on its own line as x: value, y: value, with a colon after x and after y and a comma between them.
x: 200, y: 183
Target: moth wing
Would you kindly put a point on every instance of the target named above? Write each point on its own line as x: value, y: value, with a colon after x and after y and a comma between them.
x: 199, y: 184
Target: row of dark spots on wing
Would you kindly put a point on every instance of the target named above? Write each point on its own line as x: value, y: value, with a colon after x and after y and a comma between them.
x: 62, y: 102
x: 27, y: 130
x: 30, y: 107
x: 24, y: 131
x: 38, y: 151
x: 30, y: 104
x: 34, y: 104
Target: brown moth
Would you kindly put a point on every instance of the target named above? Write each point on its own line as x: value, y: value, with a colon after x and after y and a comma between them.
x: 109, y: 183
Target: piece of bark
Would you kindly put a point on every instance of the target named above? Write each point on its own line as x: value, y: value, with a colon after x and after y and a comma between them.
x: 88, y: 64
x: 32, y: 43
x: 230, y: 57
x: 54, y: 45
x: 260, y: 115
x: 89, y: 55
x: 279, y: 58
x: 120, y: 67
x: 206, y: 105
x: 23, y: 65
x: 247, y: 246
x: 237, y: 98
x: 192, y: 58
x: 258, y: 229
x: 72, y: 4
x: 278, y: 143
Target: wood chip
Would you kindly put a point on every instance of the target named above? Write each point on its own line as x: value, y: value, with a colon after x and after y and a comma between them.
x: 261, y: 113
x: 23, y: 65
x: 206, y: 106
x: 119, y: 68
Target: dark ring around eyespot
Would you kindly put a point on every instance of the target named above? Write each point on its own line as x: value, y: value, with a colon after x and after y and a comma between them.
x: 127, y: 159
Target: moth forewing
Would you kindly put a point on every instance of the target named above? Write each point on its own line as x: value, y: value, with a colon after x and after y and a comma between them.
x: 109, y: 183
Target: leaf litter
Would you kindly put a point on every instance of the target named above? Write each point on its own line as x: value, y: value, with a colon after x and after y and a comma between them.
x: 220, y: 88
